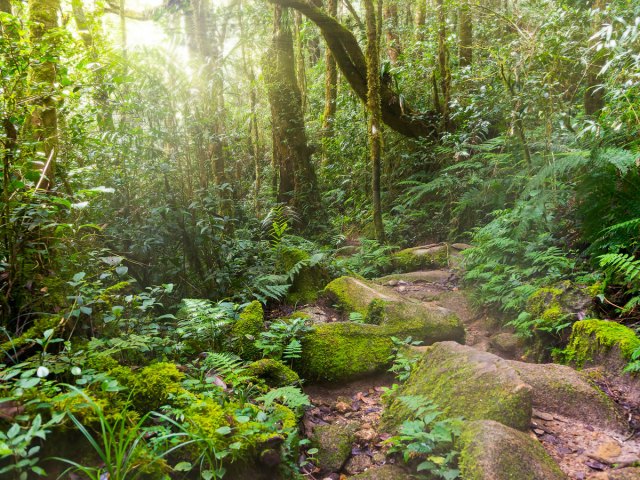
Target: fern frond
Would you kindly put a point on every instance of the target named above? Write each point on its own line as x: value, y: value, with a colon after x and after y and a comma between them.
x: 292, y: 397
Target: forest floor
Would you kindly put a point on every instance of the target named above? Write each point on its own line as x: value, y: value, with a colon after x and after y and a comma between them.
x: 582, y: 450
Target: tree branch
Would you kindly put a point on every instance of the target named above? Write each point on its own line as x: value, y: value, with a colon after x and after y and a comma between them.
x: 350, y: 59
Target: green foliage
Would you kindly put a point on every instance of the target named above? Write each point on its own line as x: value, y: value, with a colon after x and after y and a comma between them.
x: 203, y: 324
x: 403, y: 358
x: 370, y: 259
x: 292, y: 397
x: 283, y: 339
x: 426, y: 441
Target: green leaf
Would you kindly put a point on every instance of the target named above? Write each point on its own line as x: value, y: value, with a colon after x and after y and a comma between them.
x: 183, y: 467
x: 224, y: 430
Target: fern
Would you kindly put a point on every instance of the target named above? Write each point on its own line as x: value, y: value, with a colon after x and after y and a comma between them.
x: 291, y: 397
x: 204, y: 321
x: 228, y: 366
x: 621, y: 264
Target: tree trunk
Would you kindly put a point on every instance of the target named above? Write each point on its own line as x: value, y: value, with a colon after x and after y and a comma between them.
x: 393, y: 39
x: 465, y: 34
x: 330, y: 89
x: 292, y: 155
x: 301, y: 71
x: 5, y: 6
x: 44, y: 17
x: 594, y: 93
x: 375, y: 114
x: 351, y: 61
x: 443, y: 67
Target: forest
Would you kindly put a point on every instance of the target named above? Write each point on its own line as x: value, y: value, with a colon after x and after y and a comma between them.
x: 320, y: 239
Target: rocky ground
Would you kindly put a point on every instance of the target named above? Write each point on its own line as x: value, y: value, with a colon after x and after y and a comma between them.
x: 585, y: 433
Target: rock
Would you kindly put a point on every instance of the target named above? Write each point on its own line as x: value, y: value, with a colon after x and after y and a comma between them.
x: 343, y: 407
x: 492, y: 451
x: 542, y: 415
x: 385, y: 472
x: 465, y: 382
x: 347, y: 350
x: 506, y: 344
x: 357, y: 464
x: 461, y: 246
x: 309, y: 280
x: 559, y: 389
x: 366, y: 435
x: 274, y: 373
x: 246, y: 330
x: 618, y: 474
x: 607, y: 452
x: 334, y: 445
x: 593, y: 340
x: 422, y: 258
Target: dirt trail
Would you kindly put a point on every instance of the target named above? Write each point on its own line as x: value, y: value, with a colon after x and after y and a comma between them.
x: 583, y: 451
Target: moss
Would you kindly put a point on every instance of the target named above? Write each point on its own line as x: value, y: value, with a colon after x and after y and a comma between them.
x: 543, y: 299
x: 466, y: 383
x: 493, y: 451
x: 339, y: 351
x: 247, y: 330
x: 334, y: 443
x: 420, y: 258
x: 309, y: 280
x: 376, y: 312
x: 591, y: 338
x: 205, y: 417
x: 273, y: 372
x: 151, y: 387
x: 36, y: 331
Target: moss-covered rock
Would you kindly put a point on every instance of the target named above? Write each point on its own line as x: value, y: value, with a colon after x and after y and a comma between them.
x: 346, y: 350
x: 308, y: 281
x: 425, y: 257
x: 151, y: 387
x: 492, y: 451
x: 561, y: 390
x: 398, y: 315
x: 246, y: 330
x: 273, y: 372
x: 465, y: 382
x: 333, y: 442
x: 593, y: 340
x: 384, y: 472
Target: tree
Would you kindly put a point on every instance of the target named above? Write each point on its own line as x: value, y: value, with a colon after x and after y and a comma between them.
x: 330, y: 89
x: 297, y: 185
x: 375, y: 114
x: 44, y: 122
x: 465, y: 34
x: 396, y: 113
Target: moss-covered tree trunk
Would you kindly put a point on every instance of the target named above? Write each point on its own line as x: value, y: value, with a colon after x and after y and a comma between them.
x: 444, y: 71
x: 594, y: 92
x: 375, y: 114
x: 465, y: 34
x: 297, y: 178
x: 44, y: 122
x: 330, y: 89
x: 391, y: 22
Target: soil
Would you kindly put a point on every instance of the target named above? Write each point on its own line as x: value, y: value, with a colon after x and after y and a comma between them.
x: 582, y: 451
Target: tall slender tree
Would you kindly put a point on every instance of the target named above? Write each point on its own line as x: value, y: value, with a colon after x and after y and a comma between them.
x: 375, y: 114
x: 330, y: 89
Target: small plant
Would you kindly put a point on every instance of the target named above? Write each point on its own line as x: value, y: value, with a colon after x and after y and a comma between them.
x: 401, y: 357
x: 427, y: 441
x: 283, y: 339
x: 292, y: 397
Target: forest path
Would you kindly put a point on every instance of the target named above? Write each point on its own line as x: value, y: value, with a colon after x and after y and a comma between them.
x: 583, y: 448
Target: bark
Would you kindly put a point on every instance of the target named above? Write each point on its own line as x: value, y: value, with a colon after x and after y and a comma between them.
x: 443, y: 67
x: 301, y: 70
x: 351, y: 61
x: 5, y: 6
x: 291, y: 153
x: 330, y: 89
x: 465, y: 35
x: 393, y: 39
x: 375, y: 114
x: 44, y: 15
x: 594, y: 93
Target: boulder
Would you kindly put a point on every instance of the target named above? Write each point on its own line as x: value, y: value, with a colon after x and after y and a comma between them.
x: 601, y: 342
x: 465, y: 382
x: 492, y: 451
x: 347, y: 350
x: 423, y: 257
x: 562, y: 390
x: 308, y: 281
x: 272, y: 372
x: 384, y: 472
x: 507, y: 345
x: 334, y: 444
x: 630, y: 473
x: 245, y: 331
x: 422, y: 276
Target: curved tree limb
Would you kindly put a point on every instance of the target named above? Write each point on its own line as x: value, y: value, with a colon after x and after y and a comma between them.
x: 352, y: 63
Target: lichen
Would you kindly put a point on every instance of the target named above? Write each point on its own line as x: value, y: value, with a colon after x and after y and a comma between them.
x: 272, y: 372
x: 591, y: 338
x: 246, y: 330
